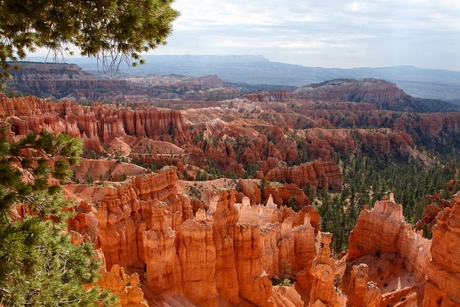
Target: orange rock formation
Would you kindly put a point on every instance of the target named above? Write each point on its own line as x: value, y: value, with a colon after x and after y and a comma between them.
x: 226, y: 253
x: 383, y: 230
x: 317, y: 174
x: 443, y: 272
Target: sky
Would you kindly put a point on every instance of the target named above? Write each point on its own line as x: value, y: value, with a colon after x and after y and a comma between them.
x: 322, y: 33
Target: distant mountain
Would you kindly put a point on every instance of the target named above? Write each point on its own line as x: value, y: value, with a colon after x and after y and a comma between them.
x: 383, y: 94
x: 418, y: 82
x: 69, y: 81
x: 58, y: 80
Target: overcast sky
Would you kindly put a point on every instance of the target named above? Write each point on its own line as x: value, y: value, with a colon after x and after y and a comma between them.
x: 324, y: 33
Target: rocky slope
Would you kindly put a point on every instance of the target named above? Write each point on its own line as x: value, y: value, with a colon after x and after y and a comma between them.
x: 412, y: 270
x: 53, y: 80
x: 226, y: 241
x: 57, y: 81
x: 228, y: 253
x: 145, y: 134
x: 384, y: 95
x: 443, y: 270
x: 225, y: 252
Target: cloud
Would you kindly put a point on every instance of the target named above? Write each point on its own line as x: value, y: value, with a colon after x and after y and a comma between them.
x: 370, y: 33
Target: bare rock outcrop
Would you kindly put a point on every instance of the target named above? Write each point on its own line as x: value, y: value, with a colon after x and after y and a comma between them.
x: 224, y: 252
x: 224, y: 220
x: 255, y: 286
x: 96, y: 124
x: 384, y: 95
x: 443, y: 281
x: 433, y: 264
x: 362, y: 292
x: 317, y: 174
x: 323, y: 271
x: 380, y: 92
x: 289, y: 194
x: 383, y: 229
x: 377, y: 230
x: 197, y: 256
x: 124, y: 285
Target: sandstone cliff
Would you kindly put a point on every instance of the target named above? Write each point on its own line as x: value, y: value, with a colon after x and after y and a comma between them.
x: 323, y: 271
x: 96, y: 125
x: 383, y: 229
x: 383, y: 94
x: 443, y: 271
x: 69, y: 81
x: 226, y: 252
x: 382, y: 238
x: 362, y: 292
x: 318, y: 174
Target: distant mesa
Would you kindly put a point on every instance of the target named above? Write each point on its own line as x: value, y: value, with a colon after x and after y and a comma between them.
x: 384, y: 95
x: 256, y: 70
x: 69, y: 81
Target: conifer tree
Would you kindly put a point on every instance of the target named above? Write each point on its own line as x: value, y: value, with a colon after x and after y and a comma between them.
x: 110, y: 30
x: 38, y: 264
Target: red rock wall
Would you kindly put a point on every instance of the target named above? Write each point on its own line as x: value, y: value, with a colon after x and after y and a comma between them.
x: 383, y: 229
x: 143, y: 223
x: 319, y: 174
x: 95, y: 124
x: 443, y: 272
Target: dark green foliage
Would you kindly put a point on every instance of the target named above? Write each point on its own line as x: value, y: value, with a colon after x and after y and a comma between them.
x: 195, y: 192
x: 38, y: 264
x: 367, y: 180
x: 263, y: 183
x: 292, y: 203
x: 251, y: 170
x: 40, y: 267
x: 34, y: 158
x: 285, y: 277
x: 427, y: 231
x: 111, y: 30
x: 303, y: 153
x: 201, y: 175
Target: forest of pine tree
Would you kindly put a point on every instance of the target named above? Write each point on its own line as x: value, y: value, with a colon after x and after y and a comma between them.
x: 368, y: 179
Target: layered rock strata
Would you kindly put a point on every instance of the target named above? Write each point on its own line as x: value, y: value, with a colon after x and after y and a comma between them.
x: 362, y: 292
x: 443, y: 271
x: 434, y: 264
x: 383, y: 229
x: 95, y: 125
x: 225, y: 252
x: 317, y: 174
x: 323, y: 271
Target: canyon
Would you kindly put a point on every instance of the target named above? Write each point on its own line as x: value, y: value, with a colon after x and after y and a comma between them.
x: 228, y: 253
x: 198, y: 203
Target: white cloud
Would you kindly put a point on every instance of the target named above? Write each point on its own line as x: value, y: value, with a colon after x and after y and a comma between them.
x: 353, y: 33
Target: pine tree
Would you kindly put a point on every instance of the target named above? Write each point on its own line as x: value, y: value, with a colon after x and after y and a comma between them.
x: 38, y: 264
x: 111, y: 30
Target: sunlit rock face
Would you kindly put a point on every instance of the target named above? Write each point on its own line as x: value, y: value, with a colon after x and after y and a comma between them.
x: 96, y: 125
x: 321, y: 174
x: 443, y: 272
x: 433, y: 263
x: 224, y: 252
x: 323, y: 271
x: 383, y: 229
